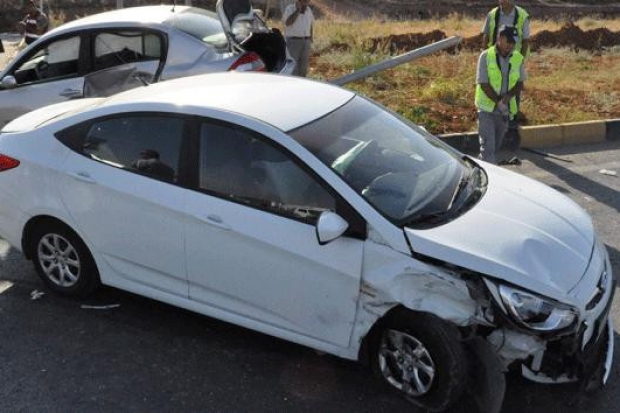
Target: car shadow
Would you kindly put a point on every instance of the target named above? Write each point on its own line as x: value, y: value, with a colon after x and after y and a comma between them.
x: 556, y: 161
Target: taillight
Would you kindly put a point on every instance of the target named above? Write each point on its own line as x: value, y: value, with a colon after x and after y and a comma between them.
x: 6, y: 163
x: 248, y: 62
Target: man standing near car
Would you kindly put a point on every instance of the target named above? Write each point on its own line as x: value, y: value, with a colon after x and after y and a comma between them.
x: 508, y: 14
x: 299, y: 22
x: 499, y: 79
x: 34, y: 24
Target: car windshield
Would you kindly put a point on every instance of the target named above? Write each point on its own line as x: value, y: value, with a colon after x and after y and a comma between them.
x: 204, y: 25
x: 406, y: 173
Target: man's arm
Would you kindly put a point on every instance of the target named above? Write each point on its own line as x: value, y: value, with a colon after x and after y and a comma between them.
x: 293, y: 17
x: 488, y: 90
x: 513, y: 92
x: 42, y: 24
x: 485, y: 33
x: 482, y: 78
x: 525, y: 46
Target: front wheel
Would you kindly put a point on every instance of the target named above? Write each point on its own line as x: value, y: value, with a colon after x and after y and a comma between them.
x: 63, y: 261
x: 421, y: 357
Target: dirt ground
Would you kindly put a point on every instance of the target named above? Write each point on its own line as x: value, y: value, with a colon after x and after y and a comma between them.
x: 453, y: 118
x: 423, y: 9
x: 570, y: 36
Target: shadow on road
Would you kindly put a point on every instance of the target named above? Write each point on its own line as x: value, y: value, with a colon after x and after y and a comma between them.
x: 562, y: 171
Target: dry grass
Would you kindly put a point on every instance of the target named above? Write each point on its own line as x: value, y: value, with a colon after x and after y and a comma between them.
x: 437, y: 91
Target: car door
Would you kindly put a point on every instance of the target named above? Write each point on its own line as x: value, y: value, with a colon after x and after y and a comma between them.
x: 252, y: 250
x: 122, y: 186
x: 124, y: 58
x: 50, y: 73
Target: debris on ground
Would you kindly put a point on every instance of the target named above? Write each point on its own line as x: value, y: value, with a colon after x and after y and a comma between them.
x: 608, y: 172
x: 512, y: 161
x: 36, y: 294
x: 99, y: 307
x: 546, y: 155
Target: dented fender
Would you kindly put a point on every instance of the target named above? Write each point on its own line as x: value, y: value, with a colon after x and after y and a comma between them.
x: 392, y: 279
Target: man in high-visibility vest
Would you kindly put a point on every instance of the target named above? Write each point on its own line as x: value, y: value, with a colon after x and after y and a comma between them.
x: 499, y: 79
x: 507, y: 14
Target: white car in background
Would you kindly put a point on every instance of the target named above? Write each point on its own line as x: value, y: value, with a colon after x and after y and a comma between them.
x: 332, y: 223
x: 105, y: 53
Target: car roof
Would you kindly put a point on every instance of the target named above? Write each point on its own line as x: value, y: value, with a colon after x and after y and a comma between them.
x: 140, y: 15
x: 285, y: 102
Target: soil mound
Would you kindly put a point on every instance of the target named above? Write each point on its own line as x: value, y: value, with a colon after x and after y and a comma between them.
x: 569, y: 35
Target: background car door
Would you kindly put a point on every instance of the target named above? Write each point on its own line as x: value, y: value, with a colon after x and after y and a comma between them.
x: 121, y: 187
x: 50, y: 73
x: 251, y: 245
x: 120, y: 56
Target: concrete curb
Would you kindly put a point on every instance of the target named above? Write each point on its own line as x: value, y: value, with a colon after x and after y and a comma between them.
x: 546, y: 135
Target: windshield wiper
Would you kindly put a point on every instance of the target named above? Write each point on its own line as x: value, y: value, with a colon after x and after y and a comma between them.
x: 429, y: 217
x: 463, y: 183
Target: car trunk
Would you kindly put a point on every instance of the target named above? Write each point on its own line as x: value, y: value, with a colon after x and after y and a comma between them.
x: 248, y: 32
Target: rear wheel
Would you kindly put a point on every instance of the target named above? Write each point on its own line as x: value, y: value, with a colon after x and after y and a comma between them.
x: 421, y: 357
x: 63, y: 261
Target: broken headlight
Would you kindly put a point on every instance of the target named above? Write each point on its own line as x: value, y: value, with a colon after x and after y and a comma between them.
x: 537, y: 313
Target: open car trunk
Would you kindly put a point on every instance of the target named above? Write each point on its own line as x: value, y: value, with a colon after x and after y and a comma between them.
x: 247, y: 31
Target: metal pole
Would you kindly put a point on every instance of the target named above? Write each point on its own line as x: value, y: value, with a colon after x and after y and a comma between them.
x: 395, y: 61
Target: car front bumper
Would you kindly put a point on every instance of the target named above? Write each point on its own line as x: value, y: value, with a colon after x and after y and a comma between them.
x: 586, y: 357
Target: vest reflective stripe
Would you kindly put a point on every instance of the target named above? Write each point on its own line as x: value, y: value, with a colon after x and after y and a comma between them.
x: 485, y: 103
x: 521, y: 16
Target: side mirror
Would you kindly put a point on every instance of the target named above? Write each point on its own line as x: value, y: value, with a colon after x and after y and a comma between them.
x: 8, y: 82
x: 329, y: 227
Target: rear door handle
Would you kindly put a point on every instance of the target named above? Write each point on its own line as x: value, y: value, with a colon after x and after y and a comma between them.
x: 215, y: 220
x: 71, y: 93
x: 83, y: 176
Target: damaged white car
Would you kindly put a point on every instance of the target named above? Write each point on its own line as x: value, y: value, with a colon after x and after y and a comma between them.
x: 307, y: 212
x: 106, y: 53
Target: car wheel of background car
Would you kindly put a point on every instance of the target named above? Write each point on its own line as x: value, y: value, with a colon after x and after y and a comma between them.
x: 63, y: 261
x: 422, y: 357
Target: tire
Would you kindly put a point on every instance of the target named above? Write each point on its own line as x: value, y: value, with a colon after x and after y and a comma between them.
x: 63, y: 261
x: 420, y: 356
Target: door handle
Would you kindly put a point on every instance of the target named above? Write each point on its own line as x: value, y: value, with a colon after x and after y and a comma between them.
x: 215, y: 220
x: 71, y: 93
x: 83, y: 176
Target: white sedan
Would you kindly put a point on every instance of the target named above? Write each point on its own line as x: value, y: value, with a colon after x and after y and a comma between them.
x: 305, y: 211
x: 105, y: 53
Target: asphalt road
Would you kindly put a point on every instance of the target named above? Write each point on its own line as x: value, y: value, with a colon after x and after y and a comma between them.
x: 143, y: 356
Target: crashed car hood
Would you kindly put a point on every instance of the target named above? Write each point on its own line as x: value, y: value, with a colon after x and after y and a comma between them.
x: 521, y: 231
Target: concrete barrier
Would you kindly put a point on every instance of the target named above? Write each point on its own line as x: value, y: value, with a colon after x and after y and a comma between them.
x: 546, y: 135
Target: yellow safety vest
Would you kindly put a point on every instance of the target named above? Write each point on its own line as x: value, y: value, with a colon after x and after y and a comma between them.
x: 520, y: 17
x: 485, y: 103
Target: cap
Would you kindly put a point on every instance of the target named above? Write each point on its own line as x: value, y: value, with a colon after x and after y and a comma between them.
x: 509, y: 32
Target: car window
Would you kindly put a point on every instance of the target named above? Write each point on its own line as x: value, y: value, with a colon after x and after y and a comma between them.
x: 143, y: 144
x: 58, y: 59
x: 201, y: 24
x: 118, y: 48
x: 235, y: 164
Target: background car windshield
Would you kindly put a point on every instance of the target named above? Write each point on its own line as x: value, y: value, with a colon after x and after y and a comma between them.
x: 402, y: 170
x: 202, y: 24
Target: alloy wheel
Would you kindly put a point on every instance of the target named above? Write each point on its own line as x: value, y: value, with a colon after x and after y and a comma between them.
x: 59, y: 260
x: 406, y: 363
